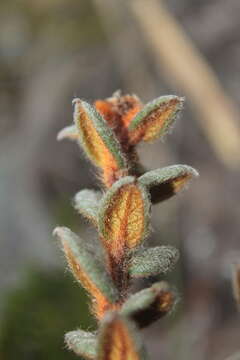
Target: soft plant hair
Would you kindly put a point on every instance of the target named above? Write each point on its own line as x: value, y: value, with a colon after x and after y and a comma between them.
x: 109, y: 132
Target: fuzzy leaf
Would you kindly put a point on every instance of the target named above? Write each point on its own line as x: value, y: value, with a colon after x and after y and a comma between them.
x: 153, y: 261
x: 119, y: 339
x: 149, y: 305
x: 98, y: 140
x: 124, y: 216
x: 69, y: 132
x: 155, y: 119
x: 168, y: 181
x: 119, y: 109
x: 83, y: 343
x: 86, y: 202
x: 89, y: 271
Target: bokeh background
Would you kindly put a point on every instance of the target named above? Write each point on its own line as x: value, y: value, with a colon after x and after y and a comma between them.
x: 51, y: 51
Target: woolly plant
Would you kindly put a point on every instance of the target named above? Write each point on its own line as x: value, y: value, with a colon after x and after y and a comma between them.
x: 109, y: 132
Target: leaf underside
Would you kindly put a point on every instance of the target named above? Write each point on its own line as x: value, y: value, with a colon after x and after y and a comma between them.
x: 123, y: 216
x: 83, y: 343
x: 166, y: 182
x: 155, y: 119
x: 153, y: 261
x: 118, y: 340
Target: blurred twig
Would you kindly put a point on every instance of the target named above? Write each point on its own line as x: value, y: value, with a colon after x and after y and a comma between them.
x: 185, y: 67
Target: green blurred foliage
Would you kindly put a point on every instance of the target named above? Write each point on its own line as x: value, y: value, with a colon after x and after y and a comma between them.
x: 38, y: 314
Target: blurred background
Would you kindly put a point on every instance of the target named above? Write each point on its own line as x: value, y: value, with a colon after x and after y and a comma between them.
x: 51, y: 51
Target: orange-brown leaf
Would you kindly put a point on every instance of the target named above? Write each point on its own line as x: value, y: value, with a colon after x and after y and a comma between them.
x: 118, y: 340
x: 79, y: 273
x: 98, y: 140
x: 107, y: 110
x: 119, y: 110
x: 154, y: 119
x: 101, y: 304
x: 89, y: 271
x: 123, y: 216
x: 134, y: 107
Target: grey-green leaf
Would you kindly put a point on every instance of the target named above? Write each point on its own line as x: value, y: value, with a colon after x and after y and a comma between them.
x: 86, y: 268
x: 83, y: 343
x: 153, y: 261
x: 86, y: 202
x: 69, y: 132
x: 165, y: 182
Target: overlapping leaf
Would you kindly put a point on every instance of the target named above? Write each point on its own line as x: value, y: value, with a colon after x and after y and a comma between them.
x: 119, y: 110
x: 98, y: 140
x: 149, y: 305
x: 89, y: 271
x: 86, y: 202
x: 165, y: 182
x: 124, y: 216
x: 108, y: 133
x: 155, y: 119
x: 118, y: 340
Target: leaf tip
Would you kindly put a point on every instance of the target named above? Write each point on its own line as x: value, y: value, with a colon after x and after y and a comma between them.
x: 76, y: 100
x: 69, y: 132
x: 57, y: 231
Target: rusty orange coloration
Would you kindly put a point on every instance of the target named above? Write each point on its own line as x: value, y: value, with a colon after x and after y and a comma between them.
x: 106, y: 110
x: 165, y: 301
x: 118, y: 343
x: 119, y: 110
x: 109, y: 133
x: 134, y: 106
x: 125, y: 221
x: 155, y: 123
x: 100, y: 307
x: 180, y: 181
x: 100, y: 303
x: 94, y: 145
